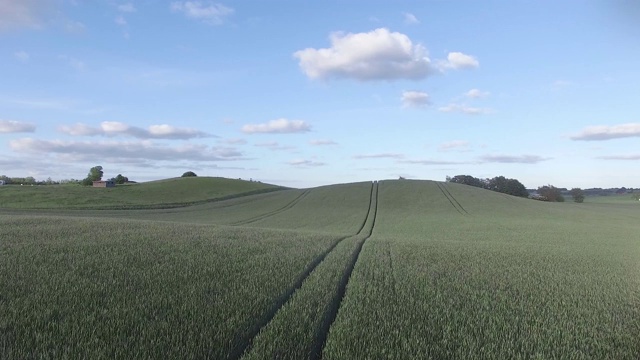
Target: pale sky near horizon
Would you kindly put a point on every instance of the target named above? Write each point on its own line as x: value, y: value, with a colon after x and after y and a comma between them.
x: 307, y: 93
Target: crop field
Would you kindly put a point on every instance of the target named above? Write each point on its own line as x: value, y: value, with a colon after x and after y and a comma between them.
x: 383, y: 270
x: 153, y: 194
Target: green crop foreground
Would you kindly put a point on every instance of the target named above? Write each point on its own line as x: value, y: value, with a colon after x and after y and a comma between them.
x: 130, y: 289
x: 389, y: 270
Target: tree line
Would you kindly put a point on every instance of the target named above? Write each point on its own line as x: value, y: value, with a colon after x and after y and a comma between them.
x: 514, y: 187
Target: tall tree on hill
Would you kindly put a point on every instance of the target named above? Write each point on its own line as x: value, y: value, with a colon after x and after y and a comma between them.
x: 466, y: 180
x: 577, y: 194
x: 120, y: 179
x: 551, y: 193
x: 95, y: 174
x: 507, y: 186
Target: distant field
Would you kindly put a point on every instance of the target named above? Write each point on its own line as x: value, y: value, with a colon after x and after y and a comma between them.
x: 162, y: 193
x: 613, y: 199
x: 389, y: 270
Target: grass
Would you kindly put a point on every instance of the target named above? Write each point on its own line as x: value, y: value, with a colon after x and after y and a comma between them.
x: 449, y: 272
x: 508, y: 278
x: 163, y: 193
x: 96, y: 289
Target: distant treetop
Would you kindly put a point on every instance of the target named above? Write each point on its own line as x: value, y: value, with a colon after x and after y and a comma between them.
x: 189, y: 174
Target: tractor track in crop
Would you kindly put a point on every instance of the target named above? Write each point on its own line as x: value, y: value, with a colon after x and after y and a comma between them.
x: 452, y: 199
x: 243, y: 344
x: 330, y: 316
x: 288, y: 206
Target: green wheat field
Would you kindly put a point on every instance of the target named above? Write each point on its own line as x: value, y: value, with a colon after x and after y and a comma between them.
x: 213, y: 268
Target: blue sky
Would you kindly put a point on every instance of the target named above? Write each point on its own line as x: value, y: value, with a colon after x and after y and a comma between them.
x: 306, y: 93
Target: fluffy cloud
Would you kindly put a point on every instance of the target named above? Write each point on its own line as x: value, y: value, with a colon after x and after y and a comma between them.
x: 458, y: 60
x: 410, y: 19
x: 321, y: 142
x: 509, y: 159
x: 206, y: 11
x: 305, y: 163
x: 476, y: 94
x: 16, y: 14
x: 380, y: 156
x: 415, y: 99
x: 278, y: 126
x: 121, y: 151
x: 114, y: 128
x: 465, y: 109
x: 375, y: 55
x: 455, y: 144
x: 595, y: 133
x: 12, y: 126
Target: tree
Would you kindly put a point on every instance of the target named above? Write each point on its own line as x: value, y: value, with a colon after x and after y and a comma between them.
x: 189, y: 174
x: 120, y: 179
x: 577, y: 194
x: 551, y: 193
x: 506, y: 186
x: 95, y: 174
x: 466, y: 180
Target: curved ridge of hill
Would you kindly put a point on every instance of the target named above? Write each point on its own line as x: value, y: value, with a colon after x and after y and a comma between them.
x: 167, y: 193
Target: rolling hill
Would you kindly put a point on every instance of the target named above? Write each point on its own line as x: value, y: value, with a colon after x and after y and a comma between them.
x: 390, y: 269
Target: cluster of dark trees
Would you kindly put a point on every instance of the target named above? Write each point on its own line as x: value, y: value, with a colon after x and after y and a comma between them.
x: 189, y: 174
x: 515, y: 188
x: 96, y: 173
x: 499, y: 183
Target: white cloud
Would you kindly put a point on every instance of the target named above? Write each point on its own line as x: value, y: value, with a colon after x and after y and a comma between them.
x: 595, y: 133
x: 476, y: 94
x: 321, y: 142
x: 455, y: 144
x: 302, y: 162
x: 205, y: 11
x: 633, y: 157
x: 458, y: 60
x: 12, y: 126
x: 375, y: 55
x: 274, y: 146
x: 235, y: 141
x: 410, y: 19
x: 510, y: 159
x: 415, y: 99
x: 461, y: 108
x: 114, y: 128
x: 114, y: 151
x: 380, y: 156
x: 278, y: 126
x: 17, y: 14
x: 127, y: 8
x: 22, y: 56
x: 429, y: 162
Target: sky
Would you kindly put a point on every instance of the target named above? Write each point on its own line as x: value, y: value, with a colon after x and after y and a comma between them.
x: 309, y: 93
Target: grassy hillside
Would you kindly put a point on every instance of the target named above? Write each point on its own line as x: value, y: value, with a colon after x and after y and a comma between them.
x: 402, y: 269
x: 163, y: 193
x: 455, y: 272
